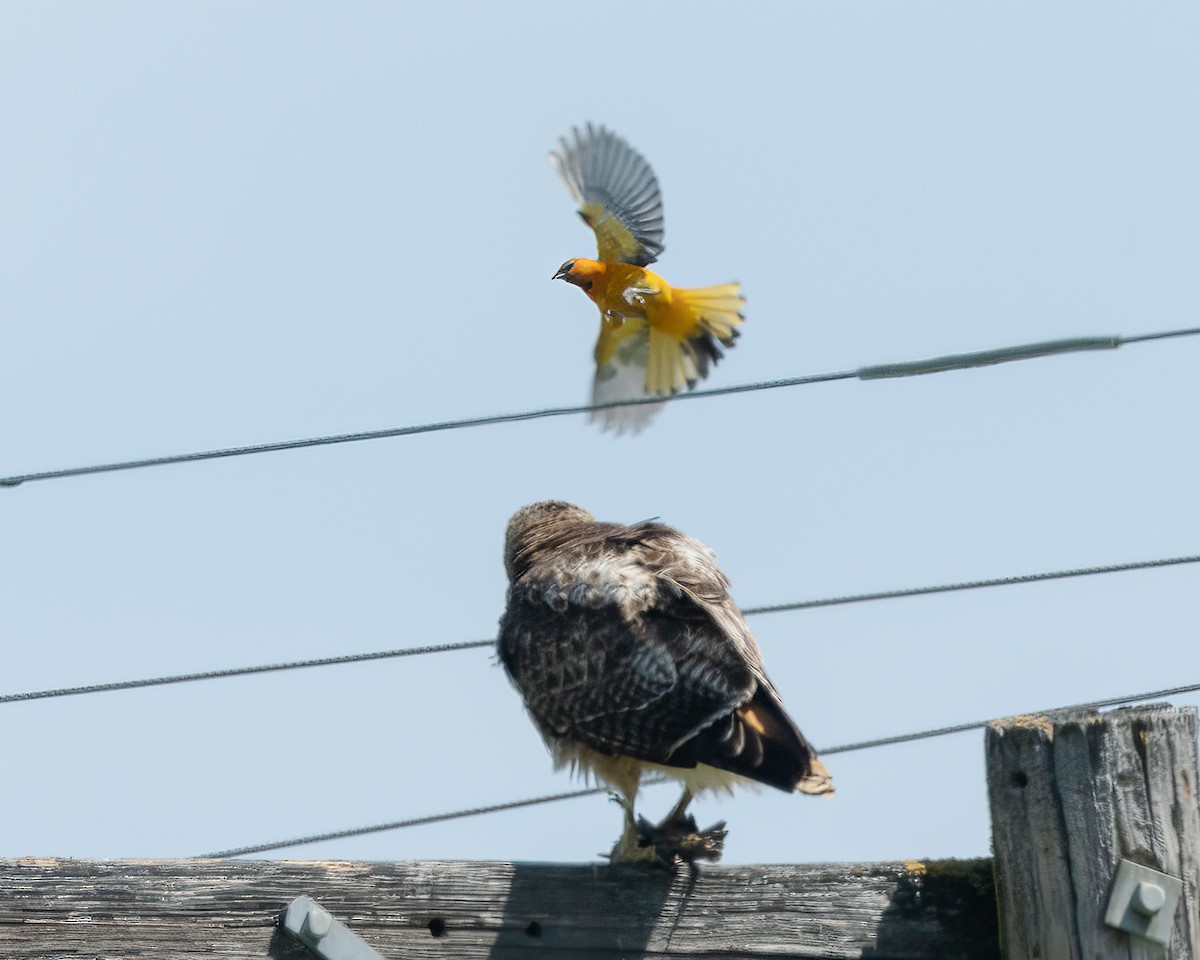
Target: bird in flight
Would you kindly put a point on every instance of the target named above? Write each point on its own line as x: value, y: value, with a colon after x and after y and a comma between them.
x: 655, y: 339
x: 632, y: 658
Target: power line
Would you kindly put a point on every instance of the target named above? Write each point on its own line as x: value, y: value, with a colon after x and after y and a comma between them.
x: 475, y: 644
x: 401, y: 824
x: 973, y: 585
x: 408, y: 431
x: 1143, y: 337
x: 874, y: 372
x: 590, y: 791
x: 980, y: 724
x: 242, y: 671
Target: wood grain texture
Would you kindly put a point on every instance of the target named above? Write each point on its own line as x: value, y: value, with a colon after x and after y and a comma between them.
x: 1073, y: 794
x: 68, y: 909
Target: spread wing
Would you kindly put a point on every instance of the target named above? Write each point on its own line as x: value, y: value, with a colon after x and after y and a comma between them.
x: 617, y: 193
x: 622, y: 355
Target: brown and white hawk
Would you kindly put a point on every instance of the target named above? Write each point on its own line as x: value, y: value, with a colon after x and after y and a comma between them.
x: 631, y: 657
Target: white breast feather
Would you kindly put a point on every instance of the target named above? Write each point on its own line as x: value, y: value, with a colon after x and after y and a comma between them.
x: 611, y: 580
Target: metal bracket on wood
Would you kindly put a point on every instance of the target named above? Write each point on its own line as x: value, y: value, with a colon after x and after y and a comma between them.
x: 1143, y: 902
x: 315, y: 927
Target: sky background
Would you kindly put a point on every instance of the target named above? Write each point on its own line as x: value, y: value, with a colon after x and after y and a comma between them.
x: 224, y: 224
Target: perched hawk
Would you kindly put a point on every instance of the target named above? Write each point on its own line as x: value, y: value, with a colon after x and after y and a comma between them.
x: 631, y: 657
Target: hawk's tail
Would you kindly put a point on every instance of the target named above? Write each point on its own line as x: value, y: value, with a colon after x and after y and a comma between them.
x: 715, y: 316
x: 760, y: 741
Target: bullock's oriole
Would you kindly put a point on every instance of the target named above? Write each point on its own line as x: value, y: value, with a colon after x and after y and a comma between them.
x: 655, y: 339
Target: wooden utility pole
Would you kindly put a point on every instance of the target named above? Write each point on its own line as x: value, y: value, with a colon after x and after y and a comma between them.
x: 1072, y: 796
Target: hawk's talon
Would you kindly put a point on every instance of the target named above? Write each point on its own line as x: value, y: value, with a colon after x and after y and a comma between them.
x: 678, y: 840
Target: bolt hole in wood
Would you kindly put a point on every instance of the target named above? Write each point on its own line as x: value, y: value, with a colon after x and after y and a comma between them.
x: 534, y: 929
x: 1020, y: 780
x: 437, y: 926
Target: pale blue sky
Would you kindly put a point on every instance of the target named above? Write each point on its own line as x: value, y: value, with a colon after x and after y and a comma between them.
x: 224, y: 223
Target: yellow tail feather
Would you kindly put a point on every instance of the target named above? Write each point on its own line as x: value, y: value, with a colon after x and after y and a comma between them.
x: 717, y: 309
x: 674, y: 363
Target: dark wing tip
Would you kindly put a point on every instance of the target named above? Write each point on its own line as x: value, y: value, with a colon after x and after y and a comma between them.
x: 600, y: 167
x: 759, y: 741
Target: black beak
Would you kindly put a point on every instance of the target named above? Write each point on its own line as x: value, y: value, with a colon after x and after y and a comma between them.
x: 562, y: 272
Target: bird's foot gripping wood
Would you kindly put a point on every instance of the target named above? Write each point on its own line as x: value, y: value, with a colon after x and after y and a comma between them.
x: 678, y: 840
x: 629, y: 848
x: 675, y: 841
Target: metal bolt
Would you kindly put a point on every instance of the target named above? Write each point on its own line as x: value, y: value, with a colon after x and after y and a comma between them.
x: 318, y: 922
x: 1148, y: 898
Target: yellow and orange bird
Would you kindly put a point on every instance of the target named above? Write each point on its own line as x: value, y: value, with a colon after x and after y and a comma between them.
x: 655, y: 339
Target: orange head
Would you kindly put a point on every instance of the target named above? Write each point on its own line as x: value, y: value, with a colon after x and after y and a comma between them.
x: 581, y: 272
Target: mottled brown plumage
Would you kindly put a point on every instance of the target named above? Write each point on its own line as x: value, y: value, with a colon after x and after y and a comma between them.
x: 630, y: 655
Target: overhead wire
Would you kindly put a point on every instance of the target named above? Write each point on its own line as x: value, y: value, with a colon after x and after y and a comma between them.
x: 980, y: 724
x: 475, y: 644
x: 402, y: 824
x: 972, y: 585
x: 873, y: 372
x: 241, y: 671
x: 591, y: 791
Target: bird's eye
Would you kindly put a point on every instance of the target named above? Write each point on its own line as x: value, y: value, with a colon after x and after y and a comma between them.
x: 567, y: 267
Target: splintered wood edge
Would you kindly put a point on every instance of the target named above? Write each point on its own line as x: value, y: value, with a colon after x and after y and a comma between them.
x: 1046, y: 722
x: 1037, y: 722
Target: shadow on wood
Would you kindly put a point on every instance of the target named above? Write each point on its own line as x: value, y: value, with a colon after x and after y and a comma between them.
x: 577, y: 916
x: 947, y: 908
x: 283, y: 946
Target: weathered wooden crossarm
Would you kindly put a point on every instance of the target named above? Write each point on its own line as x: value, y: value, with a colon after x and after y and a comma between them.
x: 183, y: 909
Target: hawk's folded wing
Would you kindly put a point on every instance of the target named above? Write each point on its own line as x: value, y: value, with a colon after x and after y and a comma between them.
x: 591, y: 675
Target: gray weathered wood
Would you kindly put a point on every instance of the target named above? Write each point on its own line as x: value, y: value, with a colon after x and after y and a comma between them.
x: 184, y: 909
x: 1073, y: 794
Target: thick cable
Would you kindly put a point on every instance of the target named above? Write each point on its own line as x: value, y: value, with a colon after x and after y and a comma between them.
x: 480, y: 421
x: 873, y: 372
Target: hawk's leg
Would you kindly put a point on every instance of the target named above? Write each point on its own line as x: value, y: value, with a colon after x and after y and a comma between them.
x: 679, y: 837
x: 630, y: 847
x: 679, y: 811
